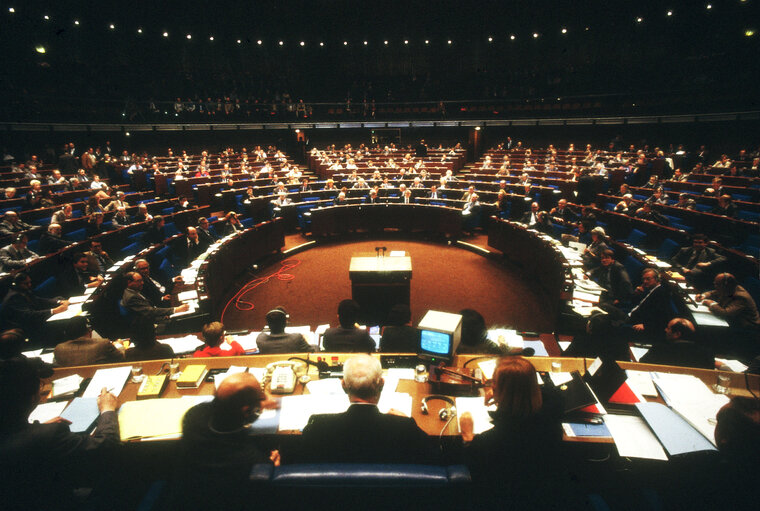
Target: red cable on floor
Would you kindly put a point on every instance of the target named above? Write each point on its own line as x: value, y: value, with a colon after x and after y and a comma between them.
x: 280, y: 274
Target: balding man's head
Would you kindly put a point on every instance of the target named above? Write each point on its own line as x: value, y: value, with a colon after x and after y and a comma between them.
x: 237, y: 402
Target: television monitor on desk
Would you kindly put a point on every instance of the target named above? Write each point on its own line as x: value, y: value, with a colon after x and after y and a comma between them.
x: 440, y: 333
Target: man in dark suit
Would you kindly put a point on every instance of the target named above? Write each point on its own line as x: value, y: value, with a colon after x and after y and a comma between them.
x: 698, y: 263
x: 679, y: 350
x: 348, y: 338
x: 30, y: 449
x: 652, y: 313
x: 139, y: 306
x: 51, y: 241
x: 98, y: 259
x: 206, y: 236
x: 613, y: 277
x: 189, y: 248
x: 362, y: 434
x: 562, y: 214
x: 155, y: 291
x: 276, y: 340
x: 23, y: 309
x: 76, y: 279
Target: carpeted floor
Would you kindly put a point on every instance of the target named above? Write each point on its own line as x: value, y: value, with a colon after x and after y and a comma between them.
x: 446, y: 278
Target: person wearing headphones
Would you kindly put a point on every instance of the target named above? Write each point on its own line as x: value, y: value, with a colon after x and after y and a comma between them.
x: 527, y: 426
x: 276, y: 340
x: 362, y: 434
x: 732, y: 302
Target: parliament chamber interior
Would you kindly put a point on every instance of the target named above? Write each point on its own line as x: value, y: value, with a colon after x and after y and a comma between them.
x: 402, y: 255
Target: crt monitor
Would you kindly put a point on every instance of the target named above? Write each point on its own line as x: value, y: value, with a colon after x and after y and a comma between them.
x: 440, y: 333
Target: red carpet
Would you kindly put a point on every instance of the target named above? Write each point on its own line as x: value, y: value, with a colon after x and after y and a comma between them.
x: 445, y: 278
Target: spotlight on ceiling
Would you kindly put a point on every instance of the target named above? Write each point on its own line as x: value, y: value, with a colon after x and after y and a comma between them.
x: 40, y: 49
x: 302, y: 43
x: 564, y: 31
x: 512, y: 37
x: 112, y: 26
x: 166, y: 34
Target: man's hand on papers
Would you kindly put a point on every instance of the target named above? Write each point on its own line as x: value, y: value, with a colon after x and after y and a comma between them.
x: 64, y: 305
x: 639, y: 327
x: 107, y: 402
x: 182, y: 308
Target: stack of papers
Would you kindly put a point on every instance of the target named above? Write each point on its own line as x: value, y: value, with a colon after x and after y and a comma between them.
x: 186, y: 344
x: 67, y: 386
x: 477, y: 408
x: 633, y: 438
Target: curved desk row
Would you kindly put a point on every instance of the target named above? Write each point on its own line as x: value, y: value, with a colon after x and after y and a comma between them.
x: 228, y: 261
x: 434, y: 220
x: 536, y: 256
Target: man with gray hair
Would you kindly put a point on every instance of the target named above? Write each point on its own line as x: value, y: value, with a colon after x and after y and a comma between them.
x: 362, y: 434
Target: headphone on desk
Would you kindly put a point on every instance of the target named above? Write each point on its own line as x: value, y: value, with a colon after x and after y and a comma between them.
x: 446, y: 413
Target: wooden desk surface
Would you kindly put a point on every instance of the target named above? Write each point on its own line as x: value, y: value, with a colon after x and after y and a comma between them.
x: 429, y: 423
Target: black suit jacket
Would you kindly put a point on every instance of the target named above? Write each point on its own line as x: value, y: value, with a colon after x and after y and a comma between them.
x: 72, y: 284
x: 653, y: 311
x: 187, y: 252
x: 50, y: 243
x: 680, y: 353
x: 347, y: 340
x: 362, y: 434
x: 26, y: 311
x: 139, y: 305
x: 62, y: 456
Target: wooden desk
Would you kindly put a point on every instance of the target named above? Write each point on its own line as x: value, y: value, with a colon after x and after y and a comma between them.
x: 429, y: 423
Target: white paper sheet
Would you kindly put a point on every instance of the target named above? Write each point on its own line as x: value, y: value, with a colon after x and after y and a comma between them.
x: 325, y: 387
x: 112, y: 379
x: 186, y: 344
x: 400, y: 401
x: 296, y: 410
x: 46, y: 411
x: 633, y: 438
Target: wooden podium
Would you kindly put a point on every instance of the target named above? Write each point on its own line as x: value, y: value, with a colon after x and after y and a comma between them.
x: 379, y: 283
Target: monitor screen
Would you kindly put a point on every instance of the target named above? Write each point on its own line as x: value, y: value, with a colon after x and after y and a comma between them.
x: 435, y: 343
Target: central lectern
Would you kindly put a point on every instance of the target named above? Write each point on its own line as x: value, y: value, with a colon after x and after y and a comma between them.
x: 379, y: 282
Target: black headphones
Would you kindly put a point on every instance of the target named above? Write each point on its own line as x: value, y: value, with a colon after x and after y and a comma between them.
x: 446, y: 413
x: 272, y: 313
